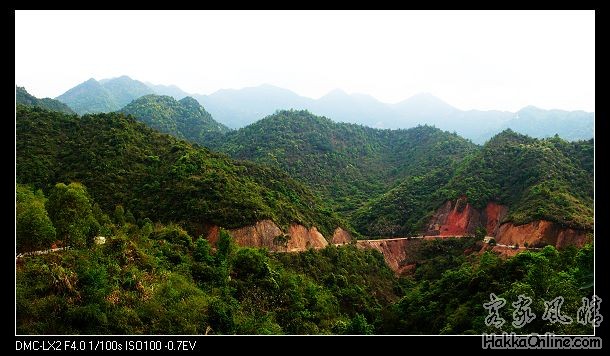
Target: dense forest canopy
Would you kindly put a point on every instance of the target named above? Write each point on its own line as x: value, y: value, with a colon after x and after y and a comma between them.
x: 157, y: 176
x: 184, y: 118
x: 346, y: 163
x: 389, y: 181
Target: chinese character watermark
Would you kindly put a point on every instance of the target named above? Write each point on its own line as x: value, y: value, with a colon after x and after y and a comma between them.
x: 523, y: 313
x: 494, y: 306
x: 552, y: 311
x: 587, y: 314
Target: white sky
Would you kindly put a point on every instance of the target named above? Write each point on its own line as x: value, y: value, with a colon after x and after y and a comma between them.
x: 471, y: 59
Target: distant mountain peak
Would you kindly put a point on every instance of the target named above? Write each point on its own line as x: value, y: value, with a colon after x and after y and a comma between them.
x: 270, y: 86
x: 90, y: 81
x: 530, y: 108
x: 336, y: 92
x: 105, y: 95
x: 425, y: 98
x: 122, y: 78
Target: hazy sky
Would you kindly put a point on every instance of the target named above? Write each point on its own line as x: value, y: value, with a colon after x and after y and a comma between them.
x: 471, y: 59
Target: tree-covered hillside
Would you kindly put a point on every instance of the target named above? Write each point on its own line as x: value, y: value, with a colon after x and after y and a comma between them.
x: 24, y: 98
x: 388, y: 182
x: 184, y: 118
x: 405, y: 209
x: 157, y: 176
x: 106, y: 95
x: 124, y: 89
x: 548, y: 179
x: 348, y: 164
x: 150, y: 278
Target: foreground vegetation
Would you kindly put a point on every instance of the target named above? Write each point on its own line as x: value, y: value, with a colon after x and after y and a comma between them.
x: 157, y: 279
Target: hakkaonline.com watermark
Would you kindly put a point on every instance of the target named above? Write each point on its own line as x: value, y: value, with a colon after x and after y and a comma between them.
x: 535, y: 341
x: 587, y: 314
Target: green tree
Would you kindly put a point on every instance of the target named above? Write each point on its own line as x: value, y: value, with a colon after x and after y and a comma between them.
x: 119, y: 215
x: 70, y: 211
x: 34, y: 228
x: 480, y: 233
x: 129, y: 218
x: 202, y: 252
x: 225, y: 245
x: 359, y: 326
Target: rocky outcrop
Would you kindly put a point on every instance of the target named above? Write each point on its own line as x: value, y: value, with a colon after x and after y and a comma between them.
x: 263, y: 234
x: 454, y: 219
x: 212, y: 235
x: 394, y: 251
x: 459, y: 218
x: 341, y: 237
x: 268, y: 235
x: 493, y: 215
x: 301, y: 238
x: 539, y: 233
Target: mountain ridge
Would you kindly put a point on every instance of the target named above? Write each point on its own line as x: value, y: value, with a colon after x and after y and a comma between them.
x: 24, y: 98
x: 237, y: 108
x: 184, y: 118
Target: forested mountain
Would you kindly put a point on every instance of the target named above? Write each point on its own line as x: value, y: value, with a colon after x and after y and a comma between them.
x: 394, y: 179
x: 104, y: 96
x: 155, y: 280
x: 154, y: 175
x: 549, y: 179
x: 184, y: 119
x: 405, y: 209
x: 170, y: 90
x: 346, y: 163
x: 24, y: 98
x: 124, y: 89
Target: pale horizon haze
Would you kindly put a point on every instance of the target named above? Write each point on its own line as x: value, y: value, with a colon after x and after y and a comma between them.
x: 501, y: 60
